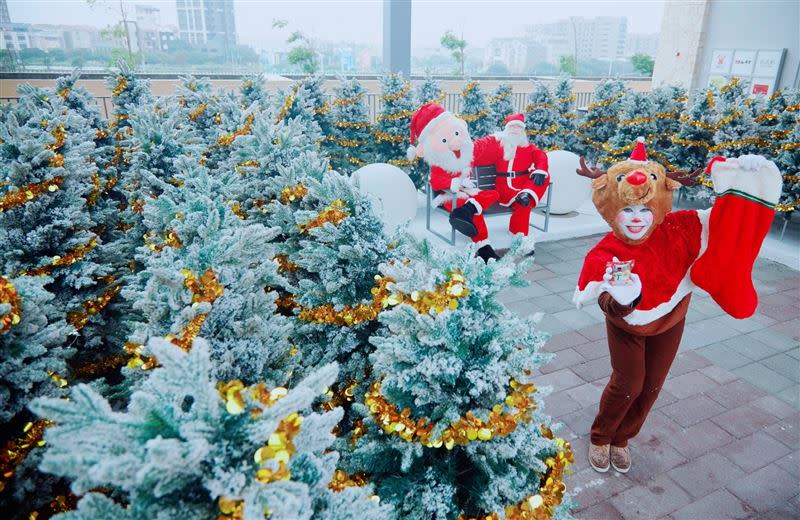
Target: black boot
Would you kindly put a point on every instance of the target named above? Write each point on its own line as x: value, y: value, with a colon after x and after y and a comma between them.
x: 487, y: 252
x: 523, y: 199
x: 461, y: 219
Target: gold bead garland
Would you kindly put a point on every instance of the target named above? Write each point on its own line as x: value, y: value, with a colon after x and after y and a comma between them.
x: 351, y: 124
x: 384, y: 136
x: 68, y: 259
x: 280, y: 448
x: 171, y: 239
x: 346, y: 143
x: 534, y: 106
x: 340, y: 102
x: 548, y: 131
x: 16, y: 450
x: 402, y: 162
x: 60, y: 135
x: 403, y: 114
x: 499, y: 97
x: 323, y: 109
x: 9, y: 295
x: 469, y: 87
x: 231, y: 393
x: 29, y: 192
x: 790, y: 146
x: 333, y: 214
x: 399, y: 94
x: 471, y: 118
x: 461, y: 432
x: 78, y: 319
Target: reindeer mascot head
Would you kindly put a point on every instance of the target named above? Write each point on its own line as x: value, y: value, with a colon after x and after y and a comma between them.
x: 642, y: 274
x: 634, y: 196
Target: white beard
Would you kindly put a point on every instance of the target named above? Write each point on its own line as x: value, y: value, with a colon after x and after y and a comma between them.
x: 447, y: 160
x: 511, y: 142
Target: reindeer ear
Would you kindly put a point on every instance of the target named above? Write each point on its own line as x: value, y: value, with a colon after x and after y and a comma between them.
x: 672, y: 184
x: 600, y: 182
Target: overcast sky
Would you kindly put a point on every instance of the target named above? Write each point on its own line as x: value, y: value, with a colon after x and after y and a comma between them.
x: 361, y: 21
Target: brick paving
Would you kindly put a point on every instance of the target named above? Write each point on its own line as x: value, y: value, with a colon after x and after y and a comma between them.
x: 723, y: 439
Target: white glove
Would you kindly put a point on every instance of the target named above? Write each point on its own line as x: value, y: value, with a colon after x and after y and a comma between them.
x: 751, y: 162
x: 468, y: 184
x: 623, y: 294
x: 455, y: 184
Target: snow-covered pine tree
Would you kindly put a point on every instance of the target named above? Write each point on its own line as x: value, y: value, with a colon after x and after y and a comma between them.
x: 475, y: 111
x: 430, y: 91
x: 391, y: 128
x: 219, y: 449
x: 501, y: 104
x: 453, y: 427
x: 566, y: 138
x: 636, y: 119
x: 206, y: 271
x: 693, y: 140
x: 736, y: 130
x: 541, y: 117
x: 786, y: 138
x: 349, y: 145
x: 668, y: 104
x: 252, y: 91
x: 602, y: 119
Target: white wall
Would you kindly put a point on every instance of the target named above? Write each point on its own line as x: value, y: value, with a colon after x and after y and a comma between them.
x: 753, y: 24
x: 680, y: 42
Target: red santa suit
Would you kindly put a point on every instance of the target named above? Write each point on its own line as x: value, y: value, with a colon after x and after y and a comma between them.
x: 514, y: 174
x: 442, y: 180
x: 712, y: 249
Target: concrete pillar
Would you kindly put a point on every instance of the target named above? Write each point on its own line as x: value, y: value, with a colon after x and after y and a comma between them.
x: 397, y: 36
x: 681, y: 42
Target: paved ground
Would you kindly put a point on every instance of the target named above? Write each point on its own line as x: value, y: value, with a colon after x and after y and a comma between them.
x: 723, y: 439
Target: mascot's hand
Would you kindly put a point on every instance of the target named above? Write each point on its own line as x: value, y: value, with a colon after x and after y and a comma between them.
x: 455, y: 184
x: 751, y: 162
x: 623, y: 294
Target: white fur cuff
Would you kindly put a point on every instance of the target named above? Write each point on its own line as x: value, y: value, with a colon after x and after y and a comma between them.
x: 752, y: 176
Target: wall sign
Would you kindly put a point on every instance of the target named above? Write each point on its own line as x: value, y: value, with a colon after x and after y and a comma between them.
x: 758, y: 70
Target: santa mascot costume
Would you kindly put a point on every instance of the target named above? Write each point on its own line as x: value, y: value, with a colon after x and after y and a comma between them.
x: 522, y: 172
x: 643, y: 272
x: 442, y: 140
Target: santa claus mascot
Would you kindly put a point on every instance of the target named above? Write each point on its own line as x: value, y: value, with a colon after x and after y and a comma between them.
x: 642, y: 275
x: 442, y: 140
x: 522, y: 173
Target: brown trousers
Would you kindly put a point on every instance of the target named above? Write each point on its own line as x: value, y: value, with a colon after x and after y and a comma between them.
x: 639, y: 367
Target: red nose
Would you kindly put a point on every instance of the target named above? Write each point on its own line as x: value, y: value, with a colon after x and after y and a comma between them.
x: 636, y: 178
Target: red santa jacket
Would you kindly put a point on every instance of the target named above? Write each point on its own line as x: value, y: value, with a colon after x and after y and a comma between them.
x: 662, y: 262
x: 489, y: 150
x: 441, y: 178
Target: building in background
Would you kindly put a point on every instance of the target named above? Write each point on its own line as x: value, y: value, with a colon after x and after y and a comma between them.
x: 556, y: 39
x: 601, y: 38
x: 14, y: 36
x: 78, y: 37
x: 151, y: 35
x: 512, y: 53
x: 209, y: 24
x: 5, y: 18
x: 641, y: 44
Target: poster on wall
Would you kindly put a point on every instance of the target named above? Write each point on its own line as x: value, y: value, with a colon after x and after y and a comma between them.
x: 758, y: 70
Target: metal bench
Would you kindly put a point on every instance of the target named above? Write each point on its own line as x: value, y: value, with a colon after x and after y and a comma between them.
x: 484, y: 177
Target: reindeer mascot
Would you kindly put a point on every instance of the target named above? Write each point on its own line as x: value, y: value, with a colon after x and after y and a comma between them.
x: 643, y: 272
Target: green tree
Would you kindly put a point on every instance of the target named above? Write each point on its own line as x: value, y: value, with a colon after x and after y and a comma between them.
x: 567, y: 65
x: 456, y: 47
x: 643, y: 63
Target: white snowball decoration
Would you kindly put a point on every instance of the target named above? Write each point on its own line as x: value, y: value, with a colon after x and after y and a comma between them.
x: 570, y: 190
x: 393, y: 193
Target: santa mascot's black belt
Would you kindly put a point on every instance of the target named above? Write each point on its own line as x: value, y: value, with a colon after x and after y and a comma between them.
x: 513, y: 174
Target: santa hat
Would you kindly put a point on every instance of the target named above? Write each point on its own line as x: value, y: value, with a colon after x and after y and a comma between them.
x: 419, y: 121
x: 639, y: 154
x: 516, y: 120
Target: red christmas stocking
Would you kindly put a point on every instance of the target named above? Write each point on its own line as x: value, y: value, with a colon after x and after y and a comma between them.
x: 747, y: 190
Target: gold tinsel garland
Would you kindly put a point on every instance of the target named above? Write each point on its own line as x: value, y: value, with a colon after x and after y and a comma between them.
x: 122, y: 84
x: 534, y: 106
x: 60, y: 135
x: 280, y: 448
x: 323, y: 109
x: 342, y: 480
x: 230, y: 509
x: 568, y: 99
x: 461, y: 432
x: 551, y: 130
x: 284, y: 265
x: 95, y: 369
x: 78, y: 319
x: 333, y: 214
x: 60, y: 504
x: 346, y: 143
x: 293, y: 193
x: 171, y: 239
x: 469, y: 87
x: 338, y: 395
x: 384, y: 136
x: 605, y: 102
x: 9, y: 295
x: 733, y: 82
x: 16, y: 450
x: 499, y: 97
x: 402, y: 162
x: 68, y: 259
x: 403, y: 114
x: 541, y: 506
x: 29, y: 192
x: 351, y: 124
x: 471, y: 118
x: 445, y: 296
x: 197, y: 112
x: 340, y: 102
x: 592, y: 122
x: 227, y: 139
x: 99, y: 190
x: 399, y: 94
x: 789, y: 146
x: 792, y: 108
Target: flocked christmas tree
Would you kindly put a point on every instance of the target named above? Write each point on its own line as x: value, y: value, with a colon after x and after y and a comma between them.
x: 190, y: 446
x: 668, y: 104
x: 501, y: 104
x: 566, y: 138
x: 602, y: 119
x: 693, y: 140
x: 475, y: 111
x: 349, y: 144
x: 786, y: 136
x: 453, y: 428
x: 541, y: 117
x: 636, y: 120
x: 430, y: 91
x: 736, y: 130
x: 391, y: 128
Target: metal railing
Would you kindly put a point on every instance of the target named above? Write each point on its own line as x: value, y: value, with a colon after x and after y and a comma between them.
x: 451, y: 102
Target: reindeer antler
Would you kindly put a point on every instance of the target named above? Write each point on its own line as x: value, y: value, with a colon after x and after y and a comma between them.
x: 593, y: 172
x: 688, y: 179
